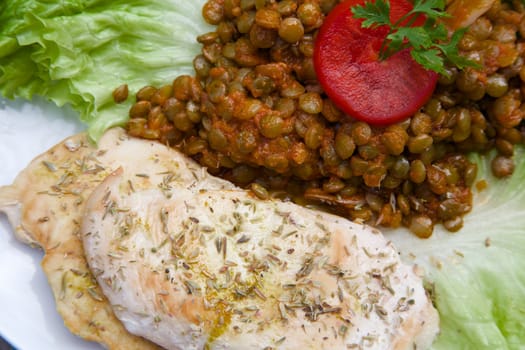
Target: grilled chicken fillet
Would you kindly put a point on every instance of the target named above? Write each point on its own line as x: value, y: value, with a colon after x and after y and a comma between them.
x: 220, y: 269
x: 45, y: 204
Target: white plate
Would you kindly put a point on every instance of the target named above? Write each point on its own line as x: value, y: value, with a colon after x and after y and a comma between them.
x: 28, y: 318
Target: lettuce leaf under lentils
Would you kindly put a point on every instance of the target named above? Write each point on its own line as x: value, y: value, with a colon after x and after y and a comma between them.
x: 477, y: 275
x: 77, y: 52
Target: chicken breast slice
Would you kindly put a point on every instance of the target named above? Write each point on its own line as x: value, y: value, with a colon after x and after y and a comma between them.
x: 45, y: 204
x: 220, y: 269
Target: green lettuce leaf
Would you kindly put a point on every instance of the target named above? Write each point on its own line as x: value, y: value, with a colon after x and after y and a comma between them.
x: 77, y: 52
x: 477, y: 275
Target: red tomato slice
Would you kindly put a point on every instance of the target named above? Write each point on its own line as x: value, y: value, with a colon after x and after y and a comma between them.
x: 346, y: 59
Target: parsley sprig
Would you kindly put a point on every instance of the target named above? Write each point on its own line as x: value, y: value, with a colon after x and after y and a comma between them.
x: 431, y: 46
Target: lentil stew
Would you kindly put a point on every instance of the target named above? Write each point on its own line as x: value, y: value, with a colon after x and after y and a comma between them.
x: 254, y: 113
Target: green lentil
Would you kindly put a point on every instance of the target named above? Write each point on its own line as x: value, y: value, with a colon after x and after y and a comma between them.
x: 291, y: 30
